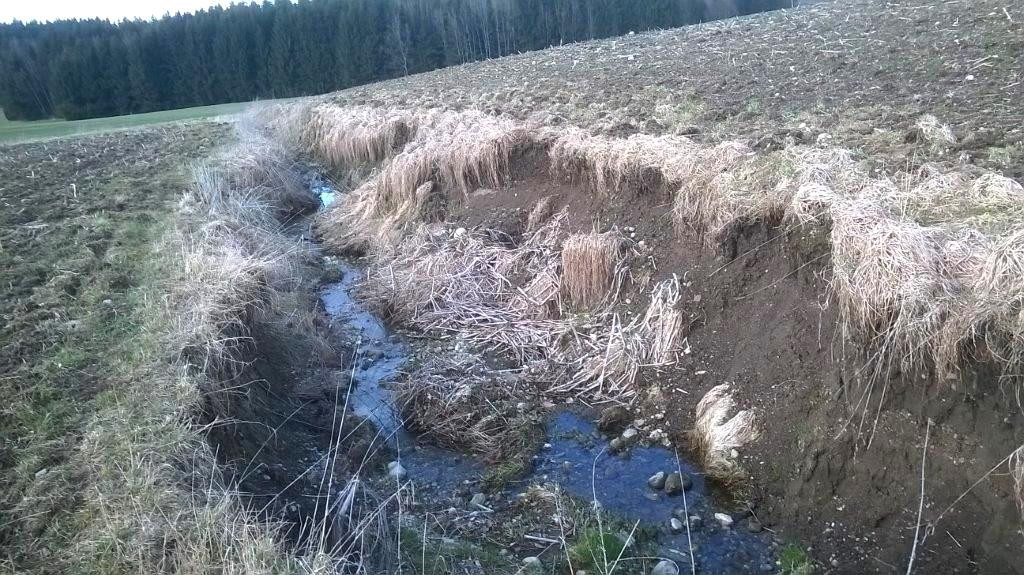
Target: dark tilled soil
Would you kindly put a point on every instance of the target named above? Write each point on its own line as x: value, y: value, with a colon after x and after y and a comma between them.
x: 861, y: 72
x: 828, y: 474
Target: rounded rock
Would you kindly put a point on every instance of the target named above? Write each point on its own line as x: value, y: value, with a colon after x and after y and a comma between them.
x: 675, y: 525
x: 665, y: 567
x: 657, y: 481
x: 396, y: 470
x: 532, y: 565
x: 724, y: 519
x: 676, y: 483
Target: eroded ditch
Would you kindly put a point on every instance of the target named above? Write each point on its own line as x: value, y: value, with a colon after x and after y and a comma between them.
x: 575, y: 456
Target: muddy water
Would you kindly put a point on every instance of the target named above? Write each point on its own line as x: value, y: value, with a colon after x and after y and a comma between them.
x: 575, y: 454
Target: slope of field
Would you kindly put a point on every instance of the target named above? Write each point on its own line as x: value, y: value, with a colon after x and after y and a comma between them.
x: 861, y: 72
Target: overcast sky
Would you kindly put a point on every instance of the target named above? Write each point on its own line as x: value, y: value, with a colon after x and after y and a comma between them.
x: 114, y: 10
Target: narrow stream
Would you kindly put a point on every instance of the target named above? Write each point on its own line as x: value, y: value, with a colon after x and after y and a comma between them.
x: 575, y: 455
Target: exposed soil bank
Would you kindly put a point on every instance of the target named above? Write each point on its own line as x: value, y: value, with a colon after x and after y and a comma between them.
x: 838, y: 464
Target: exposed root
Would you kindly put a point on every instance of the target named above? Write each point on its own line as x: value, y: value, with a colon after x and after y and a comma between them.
x: 589, y: 262
x: 715, y: 434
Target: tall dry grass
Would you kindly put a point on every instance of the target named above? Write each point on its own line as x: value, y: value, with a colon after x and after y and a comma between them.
x: 345, y: 137
x: 589, y: 265
x: 446, y: 157
x: 155, y: 498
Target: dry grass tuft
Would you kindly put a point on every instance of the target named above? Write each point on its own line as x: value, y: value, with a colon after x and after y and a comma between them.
x: 715, y: 434
x: 464, y: 285
x: 445, y: 158
x: 605, y: 363
x: 640, y: 163
x: 589, y: 264
x: 933, y: 133
x: 539, y: 214
x: 344, y: 138
x: 1016, y: 465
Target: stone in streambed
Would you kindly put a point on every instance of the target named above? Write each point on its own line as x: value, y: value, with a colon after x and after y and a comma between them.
x: 657, y: 481
x: 396, y: 470
x: 613, y: 419
x: 630, y: 435
x: 665, y: 567
x: 677, y: 482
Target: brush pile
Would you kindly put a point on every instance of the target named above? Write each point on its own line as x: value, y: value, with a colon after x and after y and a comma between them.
x: 505, y: 299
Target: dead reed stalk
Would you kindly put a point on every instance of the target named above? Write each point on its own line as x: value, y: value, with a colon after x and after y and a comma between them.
x: 589, y: 263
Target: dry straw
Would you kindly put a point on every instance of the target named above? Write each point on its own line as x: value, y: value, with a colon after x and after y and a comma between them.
x: 716, y: 434
x: 589, y: 262
x: 1016, y: 465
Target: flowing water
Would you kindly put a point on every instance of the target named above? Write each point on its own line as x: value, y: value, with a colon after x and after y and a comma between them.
x: 575, y: 455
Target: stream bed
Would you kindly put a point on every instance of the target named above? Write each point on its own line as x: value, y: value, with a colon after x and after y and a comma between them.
x: 575, y: 454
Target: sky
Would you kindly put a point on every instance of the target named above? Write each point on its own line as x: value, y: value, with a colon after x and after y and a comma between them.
x: 114, y: 10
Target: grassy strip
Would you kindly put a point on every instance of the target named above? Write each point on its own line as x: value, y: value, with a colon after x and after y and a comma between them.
x: 13, y: 132
x: 117, y: 318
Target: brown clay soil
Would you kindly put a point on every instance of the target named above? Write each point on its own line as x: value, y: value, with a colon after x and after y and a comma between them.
x: 838, y: 467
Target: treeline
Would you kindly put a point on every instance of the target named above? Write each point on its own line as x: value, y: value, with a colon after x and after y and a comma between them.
x: 82, y: 69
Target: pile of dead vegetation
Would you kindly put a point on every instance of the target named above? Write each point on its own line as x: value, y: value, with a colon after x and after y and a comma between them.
x: 927, y: 266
